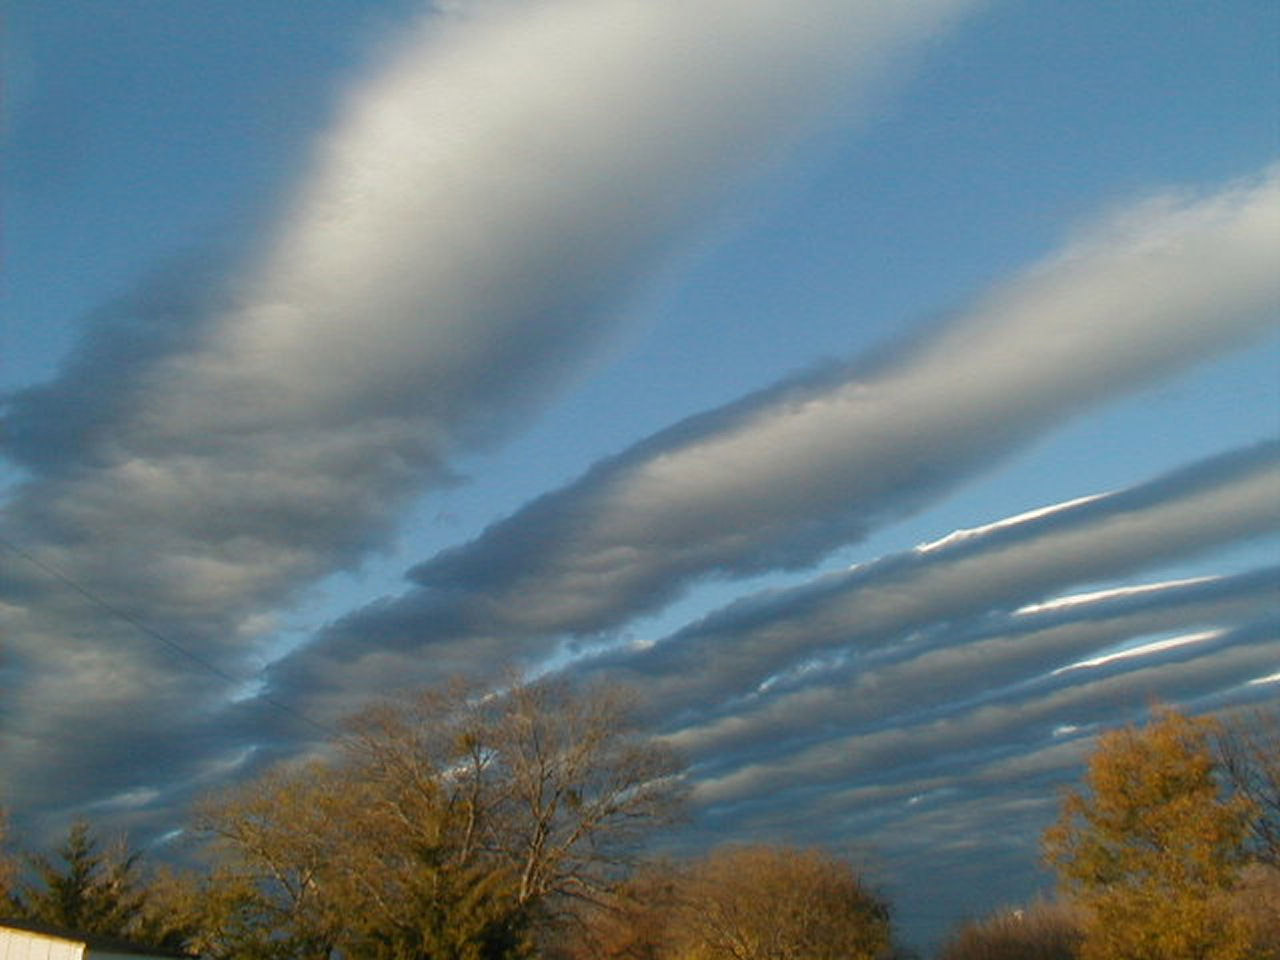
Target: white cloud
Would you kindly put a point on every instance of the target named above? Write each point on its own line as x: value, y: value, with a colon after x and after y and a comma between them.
x: 780, y: 478
x: 1091, y: 596
x: 1142, y: 649
x: 463, y: 237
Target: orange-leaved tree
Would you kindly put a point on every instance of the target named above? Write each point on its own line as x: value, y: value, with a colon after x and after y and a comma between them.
x: 1152, y: 849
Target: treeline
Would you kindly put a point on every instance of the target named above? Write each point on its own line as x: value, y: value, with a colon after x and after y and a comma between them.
x: 463, y: 825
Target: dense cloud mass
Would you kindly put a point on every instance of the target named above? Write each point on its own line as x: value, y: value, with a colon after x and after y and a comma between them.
x: 453, y: 254
x: 491, y: 199
x: 780, y: 478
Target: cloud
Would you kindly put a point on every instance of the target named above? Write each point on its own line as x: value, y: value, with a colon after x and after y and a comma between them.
x: 464, y: 238
x: 779, y: 479
x: 1008, y: 723
x: 911, y: 696
x: 956, y: 662
x: 783, y: 476
x: 954, y: 587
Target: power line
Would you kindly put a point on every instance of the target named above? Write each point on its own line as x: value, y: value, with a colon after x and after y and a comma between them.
x: 150, y: 631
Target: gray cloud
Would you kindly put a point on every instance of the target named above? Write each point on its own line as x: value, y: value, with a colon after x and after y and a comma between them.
x: 954, y: 586
x: 462, y: 240
x: 961, y: 661
x: 969, y: 574
x: 780, y: 478
x: 1010, y: 722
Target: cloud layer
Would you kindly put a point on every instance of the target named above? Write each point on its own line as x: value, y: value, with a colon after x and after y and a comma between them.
x: 463, y: 240
x: 466, y: 235
x: 959, y: 586
x: 781, y: 477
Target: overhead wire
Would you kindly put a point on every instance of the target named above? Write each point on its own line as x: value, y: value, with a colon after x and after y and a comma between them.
x: 149, y: 631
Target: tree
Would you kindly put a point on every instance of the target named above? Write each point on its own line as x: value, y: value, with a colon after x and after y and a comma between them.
x: 743, y: 903
x: 1043, y: 930
x: 638, y: 921
x: 85, y: 889
x: 277, y: 839
x: 774, y: 903
x: 1247, y: 748
x: 1257, y: 902
x: 453, y: 824
x: 1153, y: 851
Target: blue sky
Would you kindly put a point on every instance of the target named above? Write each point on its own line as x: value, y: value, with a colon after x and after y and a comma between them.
x: 356, y: 344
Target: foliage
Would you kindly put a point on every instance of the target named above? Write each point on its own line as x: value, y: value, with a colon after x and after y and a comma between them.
x: 1152, y: 851
x: 759, y: 903
x: 637, y: 922
x: 1045, y: 930
x: 1257, y: 902
x: 450, y: 825
x: 90, y: 890
x: 277, y: 838
x: 745, y: 903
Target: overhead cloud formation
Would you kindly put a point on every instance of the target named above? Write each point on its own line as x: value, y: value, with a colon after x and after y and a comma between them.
x: 782, y: 477
x: 1001, y: 722
x: 506, y: 183
x: 466, y: 234
x: 950, y: 590
x: 932, y: 669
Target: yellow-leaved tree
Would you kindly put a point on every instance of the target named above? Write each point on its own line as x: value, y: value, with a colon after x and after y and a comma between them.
x: 1153, y: 849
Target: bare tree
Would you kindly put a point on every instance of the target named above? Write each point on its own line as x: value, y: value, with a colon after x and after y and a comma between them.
x: 1247, y: 745
x: 575, y: 794
x: 275, y: 840
x: 452, y: 823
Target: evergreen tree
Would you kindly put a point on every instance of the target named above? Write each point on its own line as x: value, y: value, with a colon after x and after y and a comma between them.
x: 83, y: 888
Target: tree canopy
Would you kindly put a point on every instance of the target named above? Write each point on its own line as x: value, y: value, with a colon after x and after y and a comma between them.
x: 466, y: 824
x: 90, y: 889
x: 8, y: 864
x: 743, y: 903
x: 453, y: 825
x: 1153, y: 849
